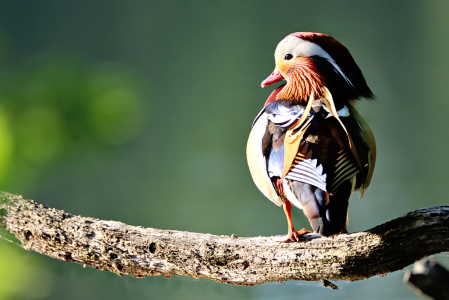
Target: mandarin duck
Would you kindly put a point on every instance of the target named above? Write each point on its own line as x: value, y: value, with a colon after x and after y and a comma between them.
x: 308, y: 146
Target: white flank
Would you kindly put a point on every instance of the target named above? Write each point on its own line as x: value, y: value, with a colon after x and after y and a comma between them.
x: 257, y: 161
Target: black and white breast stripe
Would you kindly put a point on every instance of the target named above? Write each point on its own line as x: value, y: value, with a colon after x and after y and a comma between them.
x: 307, y: 170
x: 344, y: 169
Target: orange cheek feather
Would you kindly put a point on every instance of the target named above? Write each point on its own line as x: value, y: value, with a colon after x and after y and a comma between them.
x: 303, y: 78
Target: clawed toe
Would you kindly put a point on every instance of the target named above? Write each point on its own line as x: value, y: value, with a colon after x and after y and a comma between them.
x: 293, y: 235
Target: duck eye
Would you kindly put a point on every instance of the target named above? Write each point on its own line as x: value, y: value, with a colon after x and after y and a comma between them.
x: 288, y: 56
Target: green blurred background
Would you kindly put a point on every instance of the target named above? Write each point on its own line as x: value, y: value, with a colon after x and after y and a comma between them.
x: 139, y: 111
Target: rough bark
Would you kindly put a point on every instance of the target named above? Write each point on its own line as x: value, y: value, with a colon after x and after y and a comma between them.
x: 137, y: 251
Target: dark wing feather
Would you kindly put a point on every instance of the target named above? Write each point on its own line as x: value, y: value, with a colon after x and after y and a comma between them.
x: 365, y: 145
x: 330, y: 147
x: 322, y: 153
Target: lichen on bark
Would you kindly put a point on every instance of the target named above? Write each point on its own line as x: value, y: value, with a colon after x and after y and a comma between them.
x: 139, y: 252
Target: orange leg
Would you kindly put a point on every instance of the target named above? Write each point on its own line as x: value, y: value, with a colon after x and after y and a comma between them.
x: 293, y: 235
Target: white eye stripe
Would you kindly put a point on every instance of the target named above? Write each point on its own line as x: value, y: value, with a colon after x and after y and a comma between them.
x: 340, y: 71
x: 299, y: 47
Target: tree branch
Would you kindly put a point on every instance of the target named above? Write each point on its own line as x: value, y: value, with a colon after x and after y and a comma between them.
x: 429, y: 278
x: 137, y: 251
